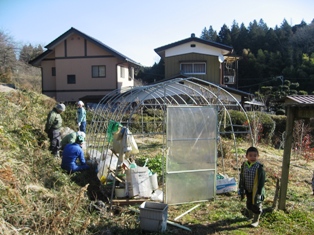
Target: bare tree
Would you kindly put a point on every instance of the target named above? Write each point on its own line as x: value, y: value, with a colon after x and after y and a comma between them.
x: 7, y: 57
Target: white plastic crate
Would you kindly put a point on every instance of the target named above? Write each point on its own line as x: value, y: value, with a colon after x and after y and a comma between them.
x: 153, y: 216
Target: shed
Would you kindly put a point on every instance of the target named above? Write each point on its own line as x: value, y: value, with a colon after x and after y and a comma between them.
x: 298, y: 107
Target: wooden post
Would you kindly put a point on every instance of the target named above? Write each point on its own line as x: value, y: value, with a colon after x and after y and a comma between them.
x: 276, y: 194
x: 286, y: 158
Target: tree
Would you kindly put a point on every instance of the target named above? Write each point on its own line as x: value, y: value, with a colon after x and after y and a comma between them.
x: 242, y: 40
x: 28, y: 52
x: 261, y: 63
x: 209, y: 34
x: 212, y: 34
x: 235, y: 32
x: 204, y: 34
x: 224, y: 35
x: 257, y: 32
x: 271, y: 40
x: 152, y: 74
x: 7, y: 57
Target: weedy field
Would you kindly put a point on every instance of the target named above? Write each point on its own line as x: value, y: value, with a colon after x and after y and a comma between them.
x: 37, y: 197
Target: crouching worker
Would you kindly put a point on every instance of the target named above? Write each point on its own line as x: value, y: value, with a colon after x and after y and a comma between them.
x: 71, y: 138
x: 252, y: 180
x: 71, y: 153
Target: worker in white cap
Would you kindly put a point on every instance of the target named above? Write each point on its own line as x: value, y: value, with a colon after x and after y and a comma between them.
x: 52, y: 128
x: 81, y: 116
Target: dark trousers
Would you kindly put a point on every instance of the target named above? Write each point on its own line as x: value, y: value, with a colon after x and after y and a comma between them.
x: 55, y: 140
x: 83, y: 127
x: 255, y: 208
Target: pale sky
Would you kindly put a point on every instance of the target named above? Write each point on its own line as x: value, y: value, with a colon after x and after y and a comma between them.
x: 135, y: 28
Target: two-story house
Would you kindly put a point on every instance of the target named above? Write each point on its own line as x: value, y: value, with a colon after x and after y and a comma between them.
x: 76, y: 66
x: 207, y: 60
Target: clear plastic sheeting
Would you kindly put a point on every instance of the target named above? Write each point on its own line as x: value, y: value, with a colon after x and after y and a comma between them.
x: 188, y: 187
x: 192, y: 153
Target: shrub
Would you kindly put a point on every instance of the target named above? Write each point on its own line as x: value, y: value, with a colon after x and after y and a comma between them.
x: 239, y: 122
x: 280, y: 112
x: 280, y: 127
x: 262, y: 126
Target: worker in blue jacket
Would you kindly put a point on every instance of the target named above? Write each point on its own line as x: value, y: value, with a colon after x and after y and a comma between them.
x: 71, y: 153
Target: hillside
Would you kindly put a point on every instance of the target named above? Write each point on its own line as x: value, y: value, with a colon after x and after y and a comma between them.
x: 37, y: 197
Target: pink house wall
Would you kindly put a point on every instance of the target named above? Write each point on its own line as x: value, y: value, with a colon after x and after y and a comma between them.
x: 79, y: 65
x: 76, y: 55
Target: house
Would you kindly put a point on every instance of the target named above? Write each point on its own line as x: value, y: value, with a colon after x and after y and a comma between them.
x: 76, y: 67
x: 207, y: 60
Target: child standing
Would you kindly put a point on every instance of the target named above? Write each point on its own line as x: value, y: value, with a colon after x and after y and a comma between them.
x: 252, y: 180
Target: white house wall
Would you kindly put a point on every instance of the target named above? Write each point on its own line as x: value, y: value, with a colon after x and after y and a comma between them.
x: 199, y: 48
x: 125, y: 81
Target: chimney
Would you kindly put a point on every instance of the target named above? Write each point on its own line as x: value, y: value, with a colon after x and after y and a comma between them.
x: 192, y: 35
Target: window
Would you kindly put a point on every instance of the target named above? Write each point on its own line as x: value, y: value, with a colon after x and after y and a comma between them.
x: 71, y: 79
x: 131, y: 73
x: 193, y: 68
x: 122, y: 72
x: 99, y: 71
x: 53, y: 71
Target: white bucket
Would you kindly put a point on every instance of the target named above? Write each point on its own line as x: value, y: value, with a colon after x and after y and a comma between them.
x: 154, y: 181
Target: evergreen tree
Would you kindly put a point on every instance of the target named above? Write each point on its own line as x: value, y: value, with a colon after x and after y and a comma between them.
x: 242, y: 40
x: 204, y: 34
x: 235, y: 33
x: 209, y: 34
x: 224, y: 35
x: 212, y: 34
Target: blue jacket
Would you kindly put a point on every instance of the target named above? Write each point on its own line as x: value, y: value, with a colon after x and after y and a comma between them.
x: 70, y: 154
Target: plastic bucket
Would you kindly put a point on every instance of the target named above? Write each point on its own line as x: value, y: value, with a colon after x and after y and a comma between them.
x: 119, y: 192
x: 154, y: 181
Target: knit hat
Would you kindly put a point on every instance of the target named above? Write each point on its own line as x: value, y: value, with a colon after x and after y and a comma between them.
x: 60, y: 107
x: 79, y: 139
x: 81, y: 133
x: 80, y: 103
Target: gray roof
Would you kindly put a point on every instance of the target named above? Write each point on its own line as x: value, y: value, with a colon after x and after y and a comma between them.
x: 300, y: 100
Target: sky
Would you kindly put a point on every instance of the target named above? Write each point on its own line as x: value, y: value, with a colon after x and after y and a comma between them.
x: 135, y: 28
